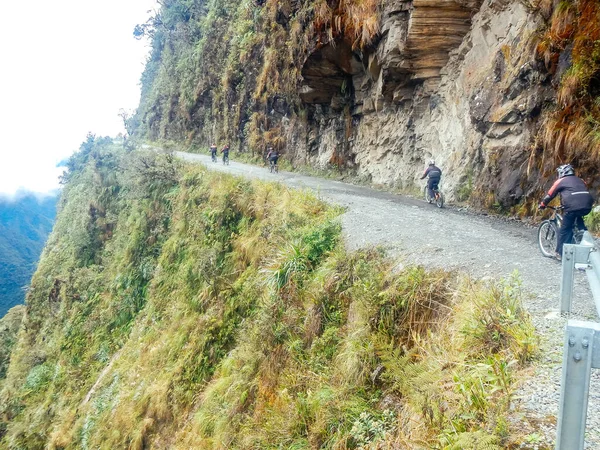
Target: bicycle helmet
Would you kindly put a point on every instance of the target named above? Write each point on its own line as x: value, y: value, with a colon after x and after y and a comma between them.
x: 432, y: 162
x: 565, y: 170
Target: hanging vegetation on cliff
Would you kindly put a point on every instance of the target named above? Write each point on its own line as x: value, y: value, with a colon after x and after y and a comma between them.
x: 219, y: 68
x: 571, y: 47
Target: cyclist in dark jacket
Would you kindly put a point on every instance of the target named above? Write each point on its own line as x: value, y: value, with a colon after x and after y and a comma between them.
x: 225, y: 151
x: 213, y: 152
x: 273, y: 155
x: 576, y: 201
x: 435, y: 174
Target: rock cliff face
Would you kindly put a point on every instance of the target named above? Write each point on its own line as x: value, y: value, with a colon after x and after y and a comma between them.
x: 460, y: 81
x: 453, y: 81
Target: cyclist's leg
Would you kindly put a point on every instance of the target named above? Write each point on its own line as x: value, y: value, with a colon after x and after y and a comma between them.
x: 579, y: 221
x: 565, y: 234
x: 431, y: 186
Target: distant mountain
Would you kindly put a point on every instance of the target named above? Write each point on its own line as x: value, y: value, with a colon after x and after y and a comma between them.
x: 25, y: 222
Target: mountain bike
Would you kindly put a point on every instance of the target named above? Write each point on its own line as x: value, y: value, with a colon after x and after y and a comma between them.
x: 273, y: 166
x: 438, y: 197
x: 548, y: 233
x: 214, y: 157
x: 225, y: 160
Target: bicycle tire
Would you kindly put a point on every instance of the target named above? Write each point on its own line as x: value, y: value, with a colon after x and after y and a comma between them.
x: 439, y: 201
x: 426, y: 192
x: 547, y: 238
x: 577, y: 237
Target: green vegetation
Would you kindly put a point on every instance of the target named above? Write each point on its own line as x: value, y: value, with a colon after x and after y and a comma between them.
x: 229, y: 70
x: 178, y: 308
x: 572, y: 129
x: 9, y: 326
x: 465, y: 189
x: 592, y: 221
x: 25, y: 222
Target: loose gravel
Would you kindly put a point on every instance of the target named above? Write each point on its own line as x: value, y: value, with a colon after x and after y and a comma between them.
x: 486, y: 248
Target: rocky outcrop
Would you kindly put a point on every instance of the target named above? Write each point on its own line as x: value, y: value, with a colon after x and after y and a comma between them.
x: 456, y: 81
x: 436, y: 27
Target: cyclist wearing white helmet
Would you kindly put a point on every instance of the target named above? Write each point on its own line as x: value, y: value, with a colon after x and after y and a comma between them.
x: 576, y: 201
x: 435, y: 174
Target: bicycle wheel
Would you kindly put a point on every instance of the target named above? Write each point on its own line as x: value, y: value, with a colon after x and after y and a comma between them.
x: 439, y: 201
x: 426, y: 192
x: 577, y: 236
x: 547, y: 238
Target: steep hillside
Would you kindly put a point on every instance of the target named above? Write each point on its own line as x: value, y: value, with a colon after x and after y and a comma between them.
x: 175, y: 308
x: 25, y: 222
x: 498, y: 92
x: 9, y: 327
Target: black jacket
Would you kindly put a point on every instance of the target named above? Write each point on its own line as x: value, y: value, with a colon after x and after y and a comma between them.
x: 434, y: 173
x: 574, y: 194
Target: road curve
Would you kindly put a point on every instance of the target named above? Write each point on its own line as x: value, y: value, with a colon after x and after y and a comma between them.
x: 483, y: 246
x: 424, y: 234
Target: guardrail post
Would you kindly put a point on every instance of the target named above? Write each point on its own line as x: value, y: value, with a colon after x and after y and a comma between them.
x: 593, y: 273
x: 568, y: 273
x: 572, y: 255
x: 581, y: 353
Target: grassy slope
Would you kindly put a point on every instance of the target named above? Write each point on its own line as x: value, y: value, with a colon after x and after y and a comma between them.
x: 9, y: 327
x: 177, y: 308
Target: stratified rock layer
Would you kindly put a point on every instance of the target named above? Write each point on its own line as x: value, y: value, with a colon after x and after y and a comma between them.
x: 454, y: 81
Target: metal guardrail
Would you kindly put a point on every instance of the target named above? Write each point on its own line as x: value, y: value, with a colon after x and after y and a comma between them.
x: 582, y: 345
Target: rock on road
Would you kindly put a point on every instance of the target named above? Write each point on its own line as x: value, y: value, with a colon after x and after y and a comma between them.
x: 482, y: 246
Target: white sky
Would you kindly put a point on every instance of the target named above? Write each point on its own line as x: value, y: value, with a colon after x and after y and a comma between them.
x: 67, y: 67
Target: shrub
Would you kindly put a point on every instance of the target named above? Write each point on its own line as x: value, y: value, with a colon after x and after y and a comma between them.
x: 38, y: 378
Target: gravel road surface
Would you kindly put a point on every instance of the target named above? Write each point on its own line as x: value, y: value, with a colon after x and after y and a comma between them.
x: 484, y: 247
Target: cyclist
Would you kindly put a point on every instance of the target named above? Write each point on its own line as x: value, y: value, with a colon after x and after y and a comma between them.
x: 225, y: 151
x: 213, y: 152
x: 576, y: 202
x: 435, y: 174
x: 272, y: 157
